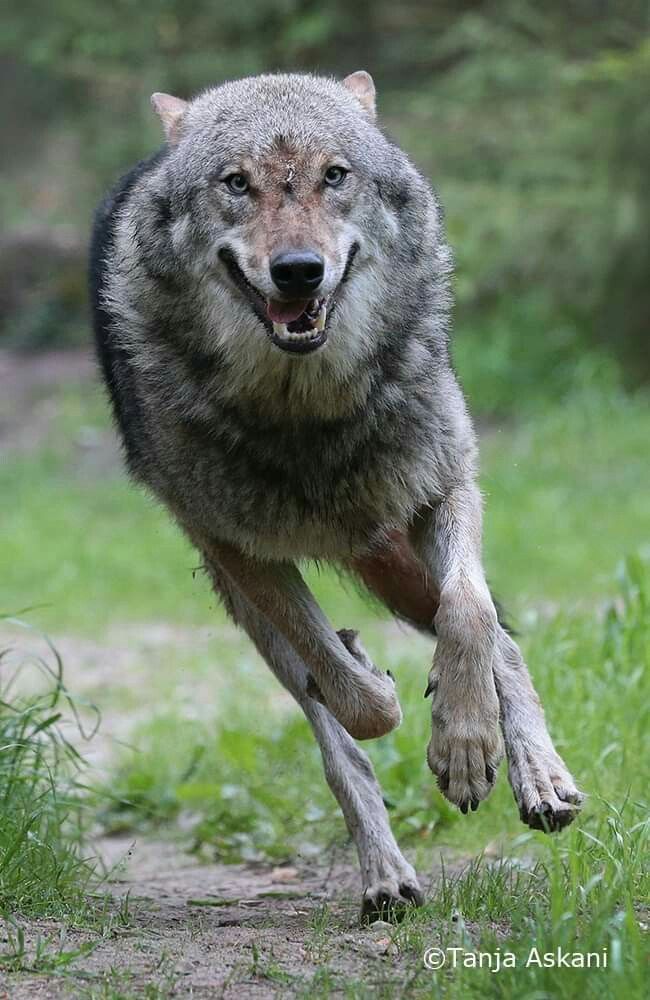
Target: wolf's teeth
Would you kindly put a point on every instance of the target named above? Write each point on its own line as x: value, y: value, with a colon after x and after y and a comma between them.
x: 282, y: 331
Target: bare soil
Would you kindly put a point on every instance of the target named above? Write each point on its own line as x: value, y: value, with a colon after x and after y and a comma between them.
x: 28, y: 398
x: 198, y: 930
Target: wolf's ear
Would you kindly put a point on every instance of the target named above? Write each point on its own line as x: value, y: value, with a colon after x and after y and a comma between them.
x: 170, y: 110
x: 360, y: 84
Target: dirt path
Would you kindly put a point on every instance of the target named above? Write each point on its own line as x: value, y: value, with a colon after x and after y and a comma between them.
x: 196, y: 930
x: 29, y: 386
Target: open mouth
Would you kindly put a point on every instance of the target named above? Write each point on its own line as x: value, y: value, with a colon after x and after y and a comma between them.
x: 298, y: 327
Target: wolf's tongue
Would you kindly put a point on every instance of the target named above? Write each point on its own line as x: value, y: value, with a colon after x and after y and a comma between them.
x: 285, y: 312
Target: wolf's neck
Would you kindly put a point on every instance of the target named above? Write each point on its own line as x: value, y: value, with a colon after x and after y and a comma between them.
x: 286, y: 387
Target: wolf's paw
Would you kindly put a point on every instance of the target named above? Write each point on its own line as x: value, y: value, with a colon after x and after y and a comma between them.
x: 466, y: 747
x: 543, y: 788
x: 365, y: 703
x: 389, y: 901
x: 390, y: 894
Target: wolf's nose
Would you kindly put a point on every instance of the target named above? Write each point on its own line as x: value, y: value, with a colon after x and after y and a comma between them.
x: 297, y: 273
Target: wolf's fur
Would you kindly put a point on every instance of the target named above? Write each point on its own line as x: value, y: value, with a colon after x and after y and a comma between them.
x: 361, y: 453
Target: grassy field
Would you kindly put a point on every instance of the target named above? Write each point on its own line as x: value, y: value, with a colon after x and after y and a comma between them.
x: 567, y: 540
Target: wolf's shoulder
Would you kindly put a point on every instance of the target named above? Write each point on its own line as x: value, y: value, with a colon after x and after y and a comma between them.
x: 101, y: 244
x: 103, y: 230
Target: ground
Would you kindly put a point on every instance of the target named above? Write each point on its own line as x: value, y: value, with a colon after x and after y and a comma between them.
x: 208, y: 930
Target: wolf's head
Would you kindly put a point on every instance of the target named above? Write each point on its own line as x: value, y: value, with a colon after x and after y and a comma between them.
x: 298, y: 213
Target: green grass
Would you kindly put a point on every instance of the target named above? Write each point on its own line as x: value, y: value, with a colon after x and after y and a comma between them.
x: 566, y: 498
x: 579, y: 899
x: 43, y: 871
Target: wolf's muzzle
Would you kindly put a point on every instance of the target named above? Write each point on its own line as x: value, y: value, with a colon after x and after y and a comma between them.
x: 295, y: 325
x: 297, y: 273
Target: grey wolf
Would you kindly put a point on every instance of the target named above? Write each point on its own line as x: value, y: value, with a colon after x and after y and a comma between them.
x: 271, y: 305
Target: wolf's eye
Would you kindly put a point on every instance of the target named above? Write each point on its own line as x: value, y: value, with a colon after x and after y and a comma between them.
x: 237, y: 183
x: 335, y: 176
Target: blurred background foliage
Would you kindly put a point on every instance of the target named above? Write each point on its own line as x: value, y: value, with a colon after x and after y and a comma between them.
x: 532, y: 120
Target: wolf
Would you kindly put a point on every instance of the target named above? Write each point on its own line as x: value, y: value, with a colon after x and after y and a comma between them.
x: 271, y: 299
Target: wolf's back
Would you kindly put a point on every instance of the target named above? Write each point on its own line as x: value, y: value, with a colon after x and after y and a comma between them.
x: 117, y: 374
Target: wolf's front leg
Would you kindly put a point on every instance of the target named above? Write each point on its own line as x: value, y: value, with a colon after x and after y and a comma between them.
x: 343, y: 678
x: 466, y: 747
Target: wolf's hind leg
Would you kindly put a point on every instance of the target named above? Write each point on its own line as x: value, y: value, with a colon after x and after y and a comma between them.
x: 360, y: 696
x: 389, y: 881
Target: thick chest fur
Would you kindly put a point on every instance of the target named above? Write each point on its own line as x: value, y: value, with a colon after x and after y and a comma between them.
x: 301, y: 488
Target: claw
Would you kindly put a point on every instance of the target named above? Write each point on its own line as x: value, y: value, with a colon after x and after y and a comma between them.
x: 547, y: 819
x: 387, y: 905
x: 413, y: 893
